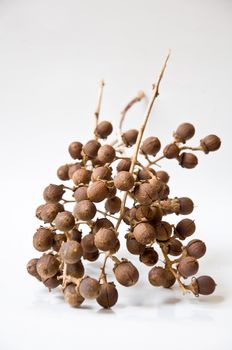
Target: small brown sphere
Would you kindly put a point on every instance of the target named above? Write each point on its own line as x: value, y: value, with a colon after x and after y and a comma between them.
x: 81, y: 176
x: 184, y: 132
x: 174, y: 247
x: 87, y: 243
x: 101, y: 173
x: 89, y: 288
x: 32, y: 270
x: 106, y: 154
x: 39, y: 210
x: 52, y: 282
x: 151, y: 146
x: 75, y: 235
x: 144, y: 233
x: 108, y: 296
x: 163, y: 176
x: 185, y: 228
x: 91, y: 148
x: 97, y: 191
x: 43, y: 239
x: 145, y: 212
x: 196, y: 248
x: 47, y: 266
x: 188, y: 160
x: 64, y: 221
x: 210, y: 143
x: 80, y: 194
x: 71, y: 252
x: 134, y: 247
x: 73, y: 168
x: 126, y: 274
x: 103, y: 129
x: 84, y: 210
x: 205, y: 285
x: 113, y: 205
x: 157, y: 216
x: 116, y: 247
x: 171, y: 151
x: 62, y: 172
x: 124, y: 165
x: 186, y: 206
x: 163, y: 231
x: 188, y: 266
x: 169, y: 279
x: 53, y: 193
x: 58, y: 240
x: 145, y: 174
x: 72, y: 296
x: 129, y: 137
x: 76, y: 270
x: 149, y: 256
x: 100, y: 223
x: 156, y: 276
x: 50, y: 210
x: 105, y: 239
x: 124, y: 181
x: 145, y: 193
x: 91, y: 256
x: 75, y: 149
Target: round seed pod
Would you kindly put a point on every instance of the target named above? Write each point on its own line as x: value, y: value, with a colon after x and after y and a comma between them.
x: 149, y: 256
x: 157, y: 216
x: 32, y: 270
x: 71, y: 252
x: 163, y: 231
x: 196, y: 248
x: 58, y: 240
x: 164, y: 193
x: 50, y: 210
x: 184, y: 132
x: 96, y: 162
x: 145, y: 213
x: 188, y: 160
x: 124, y: 181
x: 101, y: 173
x: 53, y: 193
x: 108, y: 296
x: 87, y: 243
x: 163, y: 176
x: 72, y: 296
x: 75, y: 149
x: 97, y: 191
x: 91, y: 256
x: 145, y: 174
x: 186, y: 206
x: 116, y: 247
x: 76, y: 270
x: 62, y: 172
x: 81, y: 176
x: 129, y: 137
x: 126, y: 216
x: 134, y: 247
x: 185, y: 228
x: 84, y: 210
x: 112, y: 190
x: 47, y: 266
x: 171, y: 151
x: 174, y: 247
x: 52, y: 282
x: 103, y: 129
x: 210, y: 143
x: 151, y: 146
x: 106, y: 154
x: 80, y: 194
x: 157, y: 186
x: 169, y: 279
x: 89, y: 288
x: 101, y: 223
x: 113, y: 205
x: 124, y: 165
x: 205, y: 285
x: 188, y: 266
x: 43, y: 239
x: 105, y: 239
x: 156, y: 276
x: 91, y: 148
x: 144, y: 233
x: 75, y: 235
x: 73, y: 168
x: 145, y: 193
x: 126, y: 274
x: 64, y: 221
x: 38, y: 211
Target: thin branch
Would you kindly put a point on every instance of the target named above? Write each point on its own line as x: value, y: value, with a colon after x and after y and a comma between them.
x: 99, y: 99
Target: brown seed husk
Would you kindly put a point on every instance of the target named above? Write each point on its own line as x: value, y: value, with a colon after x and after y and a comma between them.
x: 103, y: 129
x: 91, y: 256
x: 129, y: 137
x: 210, y: 143
x: 113, y: 205
x: 52, y: 282
x: 151, y: 146
x: 91, y: 148
x: 105, y: 239
x: 89, y: 288
x: 145, y: 193
x: 43, y: 239
x: 171, y: 151
x: 174, y: 247
x: 149, y: 256
x: 84, y: 210
x: 186, y: 206
x: 75, y: 270
x: 50, y: 210
x: 134, y: 247
x: 124, y: 181
x: 47, y: 266
x: 71, y: 252
x: 72, y: 296
x: 75, y: 235
x: 80, y: 194
x: 184, y: 132
x: 75, y: 149
x: 163, y: 231
x: 87, y: 243
x: 188, y: 266
x: 101, y: 173
x: 126, y: 274
x: 188, y: 160
x: 73, y: 168
x: 185, y: 228
x: 64, y: 221
x: 58, y: 240
x: 144, y: 233
x: 108, y: 296
x: 205, y: 285
x: 53, y: 193
x: 163, y: 176
x: 100, y: 223
x: 196, y: 248
x: 32, y: 270
x: 124, y: 165
x: 81, y: 176
x: 106, y: 154
x: 146, y: 174
x: 97, y: 191
x: 62, y: 172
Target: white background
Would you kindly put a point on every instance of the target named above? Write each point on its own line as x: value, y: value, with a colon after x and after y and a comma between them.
x: 52, y: 55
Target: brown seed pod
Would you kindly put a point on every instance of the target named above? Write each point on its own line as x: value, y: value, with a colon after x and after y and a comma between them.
x: 96, y: 162
x: 149, y: 256
x: 100, y: 223
x: 75, y: 270
x: 210, y: 143
x: 163, y: 231
x: 38, y: 211
x: 75, y: 149
x: 145, y: 193
x: 106, y: 154
x: 163, y: 176
x: 145, y: 213
x: 81, y: 176
x: 105, y: 239
x: 101, y: 173
x: 124, y: 165
x: 91, y: 256
x: 73, y: 168
x: 50, y: 210
x: 112, y: 191
x: 89, y: 288
x: 188, y: 160
x: 52, y: 282
x: 58, y: 240
x: 186, y: 206
x: 43, y: 239
x: 129, y: 137
x: 47, y: 266
x: 196, y: 248
x: 151, y: 146
x: 144, y: 233
x: 157, y: 216
x: 174, y: 247
x: 71, y: 252
x: 75, y: 235
x: 87, y: 243
x: 169, y: 279
x: 185, y: 228
x: 171, y: 151
x: 145, y: 174
x: 53, y: 193
x: 116, y: 247
x: 126, y: 273
x: 62, y: 172
x: 113, y: 205
x: 84, y: 210
x: 184, y: 132
x: 156, y: 276
x: 32, y: 270
x: 97, y: 191
x: 108, y: 296
x: 205, y: 285
x: 64, y: 221
x: 103, y: 129
x: 91, y: 148
x: 80, y: 194
x: 164, y: 193
x: 72, y: 296
x: 124, y: 181
x: 188, y: 266
x: 134, y: 247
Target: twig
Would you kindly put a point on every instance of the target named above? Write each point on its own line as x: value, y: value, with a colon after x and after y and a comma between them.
x: 99, y: 99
